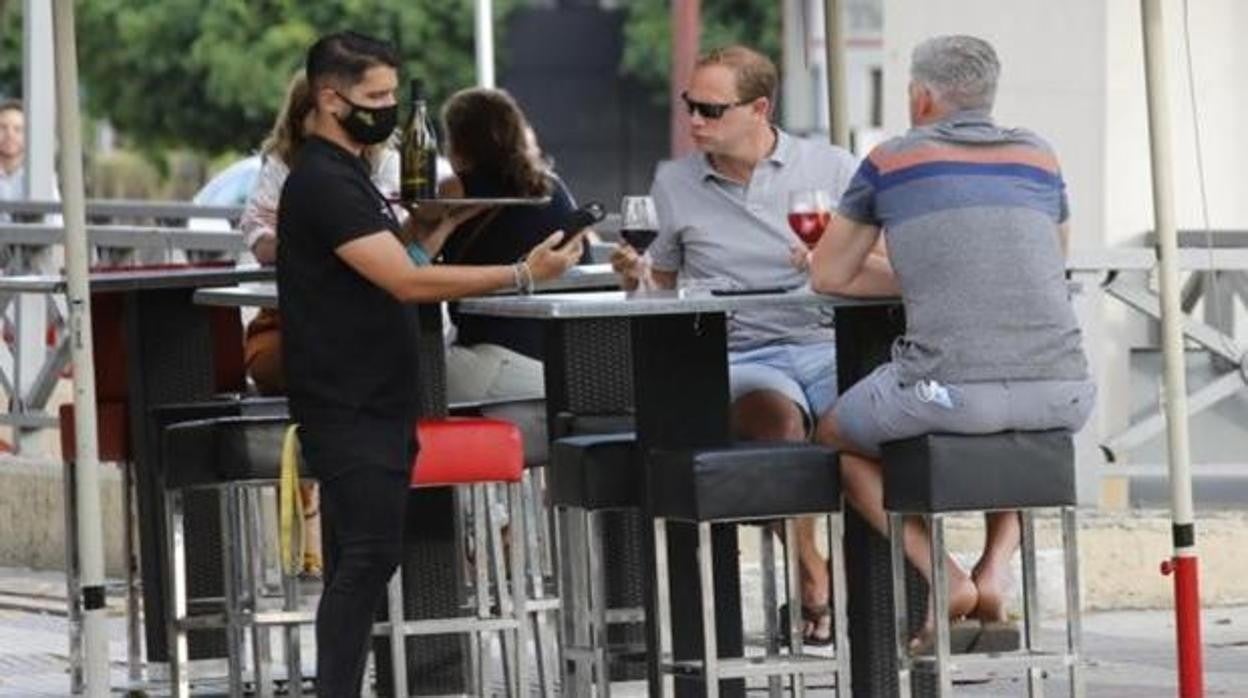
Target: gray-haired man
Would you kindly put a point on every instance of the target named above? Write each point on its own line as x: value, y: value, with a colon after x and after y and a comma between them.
x: 975, y: 219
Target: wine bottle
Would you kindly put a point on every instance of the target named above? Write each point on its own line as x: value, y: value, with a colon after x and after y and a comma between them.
x: 419, y: 165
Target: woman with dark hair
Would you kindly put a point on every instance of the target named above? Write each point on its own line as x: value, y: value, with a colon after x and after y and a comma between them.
x: 493, y: 152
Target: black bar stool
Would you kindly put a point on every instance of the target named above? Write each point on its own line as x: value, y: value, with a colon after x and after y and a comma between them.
x: 748, y: 482
x: 587, y: 477
x: 237, y: 457
x: 938, y: 474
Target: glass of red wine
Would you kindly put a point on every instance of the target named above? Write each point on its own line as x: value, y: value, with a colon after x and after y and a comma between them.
x: 639, y: 228
x: 810, y: 211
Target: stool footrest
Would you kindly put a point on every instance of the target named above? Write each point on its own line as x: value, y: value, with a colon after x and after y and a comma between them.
x: 1007, y: 662
x: 447, y: 626
x: 749, y: 667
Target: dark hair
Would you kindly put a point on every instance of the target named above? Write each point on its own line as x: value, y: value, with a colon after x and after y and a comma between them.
x: 343, y: 57
x: 486, y: 128
x: 10, y: 105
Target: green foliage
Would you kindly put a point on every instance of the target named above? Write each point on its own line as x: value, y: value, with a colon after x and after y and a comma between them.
x: 648, y: 35
x: 210, y: 74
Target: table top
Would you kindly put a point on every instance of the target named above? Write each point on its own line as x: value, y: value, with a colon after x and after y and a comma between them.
x: 625, y: 304
x: 264, y: 294
x: 134, y: 279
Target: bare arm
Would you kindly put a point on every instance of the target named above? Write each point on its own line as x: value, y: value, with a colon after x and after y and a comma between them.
x: 381, y: 259
x: 844, y: 263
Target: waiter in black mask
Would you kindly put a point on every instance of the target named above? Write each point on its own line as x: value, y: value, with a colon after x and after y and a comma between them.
x: 349, y: 347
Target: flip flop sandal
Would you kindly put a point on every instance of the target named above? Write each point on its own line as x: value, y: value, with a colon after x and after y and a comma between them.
x: 815, y: 615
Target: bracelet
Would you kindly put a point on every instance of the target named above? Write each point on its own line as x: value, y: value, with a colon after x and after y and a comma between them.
x: 418, y: 255
x: 515, y: 273
x: 524, y: 277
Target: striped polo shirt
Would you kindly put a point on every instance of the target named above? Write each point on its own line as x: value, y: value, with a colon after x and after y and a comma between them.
x: 970, y: 213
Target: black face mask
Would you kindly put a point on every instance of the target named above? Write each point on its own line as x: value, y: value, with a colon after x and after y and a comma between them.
x: 369, y: 125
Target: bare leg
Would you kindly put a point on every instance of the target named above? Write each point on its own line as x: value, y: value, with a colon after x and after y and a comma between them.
x: 771, y: 416
x: 991, y: 573
x: 863, y: 483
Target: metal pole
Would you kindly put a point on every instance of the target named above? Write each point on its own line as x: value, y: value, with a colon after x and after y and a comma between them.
x: 1184, y: 562
x: 685, y: 32
x: 485, y: 43
x: 90, y: 524
x: 834, y: 45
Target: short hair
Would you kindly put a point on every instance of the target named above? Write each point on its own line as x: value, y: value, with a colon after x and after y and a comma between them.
x: 755, y: 74
x: 962, y: 71
x: 343, y: 57
x: 10, y: 105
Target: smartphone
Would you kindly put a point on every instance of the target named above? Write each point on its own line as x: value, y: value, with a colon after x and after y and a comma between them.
x: 583, y: 217
x: 755, y: 291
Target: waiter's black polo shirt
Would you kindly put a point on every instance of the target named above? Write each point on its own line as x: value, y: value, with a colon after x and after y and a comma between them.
x: 349, y: 347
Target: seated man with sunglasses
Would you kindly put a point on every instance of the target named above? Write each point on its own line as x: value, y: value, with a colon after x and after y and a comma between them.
x: 723, y: 217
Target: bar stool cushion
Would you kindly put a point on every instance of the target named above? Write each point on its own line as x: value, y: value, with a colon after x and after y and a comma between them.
x: 959, y: 472
x: 223, y: 449
x: 463, y: 450
x: 746, y: 481
x: 592, y: 472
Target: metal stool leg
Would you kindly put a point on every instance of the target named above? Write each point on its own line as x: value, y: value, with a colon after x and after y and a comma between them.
x: 1031, y: 601
x: 519, y: 601
x: 840, y: 596
x: 710, y: 644
x: 293, y: 649
x: 495, y: 559
x: 480, y: 569
x: 536, y: 535
x: 901, y: 623
x: 663, y: 607
x: 231, y: 574
x: 598, y: 604
x: 1074, y: 609
x: 577, y: 619
x: 398, y: 641
x: 252, y: 568
x: 792, y: 578
x: 134, y: 591
x: 767, y: 551
x: 179, y: 682
x: 940, y: 605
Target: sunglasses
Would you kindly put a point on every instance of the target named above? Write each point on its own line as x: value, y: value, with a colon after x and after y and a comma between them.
x: 709, y: 110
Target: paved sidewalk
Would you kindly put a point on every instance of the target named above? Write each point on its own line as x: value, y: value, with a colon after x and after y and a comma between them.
x: 1130, y: 654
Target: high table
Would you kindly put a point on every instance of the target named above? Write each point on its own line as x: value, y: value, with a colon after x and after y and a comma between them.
x: 153, y: 349
x: 436, y: 665
x: 678, y: 377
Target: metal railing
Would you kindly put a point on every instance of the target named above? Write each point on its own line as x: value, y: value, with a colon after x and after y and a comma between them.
x: 34, y: 353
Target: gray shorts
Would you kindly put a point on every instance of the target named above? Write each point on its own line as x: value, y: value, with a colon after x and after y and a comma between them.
x: 882, y: 408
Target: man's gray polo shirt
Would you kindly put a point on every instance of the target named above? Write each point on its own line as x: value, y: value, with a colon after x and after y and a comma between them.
x: 713, y: 228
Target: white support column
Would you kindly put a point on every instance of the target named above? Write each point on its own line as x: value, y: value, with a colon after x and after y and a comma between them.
x: 485, y: 42
x: 39, y: 103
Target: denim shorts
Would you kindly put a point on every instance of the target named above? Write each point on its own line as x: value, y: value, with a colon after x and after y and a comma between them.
x: 804, y: 373
x: 881, y: 407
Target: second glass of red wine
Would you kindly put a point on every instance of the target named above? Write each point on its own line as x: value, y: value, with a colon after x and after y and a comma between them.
x: 810, y: 210
x: 639, y: 228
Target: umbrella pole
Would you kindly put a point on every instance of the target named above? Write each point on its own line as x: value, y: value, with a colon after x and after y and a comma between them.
x: 90, y: 522
x: 1183, y: 565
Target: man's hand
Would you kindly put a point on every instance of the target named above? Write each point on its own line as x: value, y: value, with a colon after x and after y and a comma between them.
x: 545, y: 262
x: 626, y: 263
x: 799, y: 257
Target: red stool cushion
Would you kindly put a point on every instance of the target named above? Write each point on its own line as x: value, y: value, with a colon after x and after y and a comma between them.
x: 463, y: 450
